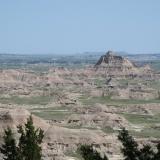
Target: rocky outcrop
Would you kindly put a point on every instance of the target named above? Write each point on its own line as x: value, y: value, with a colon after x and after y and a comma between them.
x: 110, y: 59
x: 100, y: 120
x: 114, y: 65
x: 58, y: 140
x: 15, y: 117
x: 129, y: 90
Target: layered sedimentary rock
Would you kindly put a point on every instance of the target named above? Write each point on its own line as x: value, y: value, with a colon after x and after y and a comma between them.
x: 98, y: 120
x: 130, y: 90
x: 113, y: 62
x: 112, y: 65
x: 57, y: 140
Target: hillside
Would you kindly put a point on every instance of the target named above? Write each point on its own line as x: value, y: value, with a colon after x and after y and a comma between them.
x: 83, y: 104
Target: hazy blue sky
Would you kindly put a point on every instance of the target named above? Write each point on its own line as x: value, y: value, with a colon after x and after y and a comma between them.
x: 72, y: 26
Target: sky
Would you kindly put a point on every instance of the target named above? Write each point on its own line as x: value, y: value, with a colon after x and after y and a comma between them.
x: 76, y: 26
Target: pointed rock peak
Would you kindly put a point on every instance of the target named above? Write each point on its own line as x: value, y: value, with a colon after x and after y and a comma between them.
x: 110, y: 53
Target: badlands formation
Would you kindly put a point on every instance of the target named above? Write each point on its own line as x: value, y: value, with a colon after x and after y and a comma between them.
x: 83, y: 105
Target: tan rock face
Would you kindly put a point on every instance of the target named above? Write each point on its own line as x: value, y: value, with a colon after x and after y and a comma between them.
x: 100, y: 120
x: 15, y: 117
x: 129, y: 90
x: 110, y: 58
x: 88, y: 99
x: 112, y: 64
x: 115, y: 63
x: 58, y: 140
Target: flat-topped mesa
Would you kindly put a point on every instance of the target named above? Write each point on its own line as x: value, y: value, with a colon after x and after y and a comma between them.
x: 116, y: 65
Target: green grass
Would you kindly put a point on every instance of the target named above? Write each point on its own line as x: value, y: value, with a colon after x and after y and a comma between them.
x: 108, y: 130
x: 73, y: 127
x: 155, y: 84
x: 74, y: 154
x: 40, y: 100
x: 146, y: 133
x: 55, y: 108
x: 147, y: 121
x: 142, y: 119
x: 108, y: 100
x: 80, y: 127
x: 52, y: 115
x: 99, y: 82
